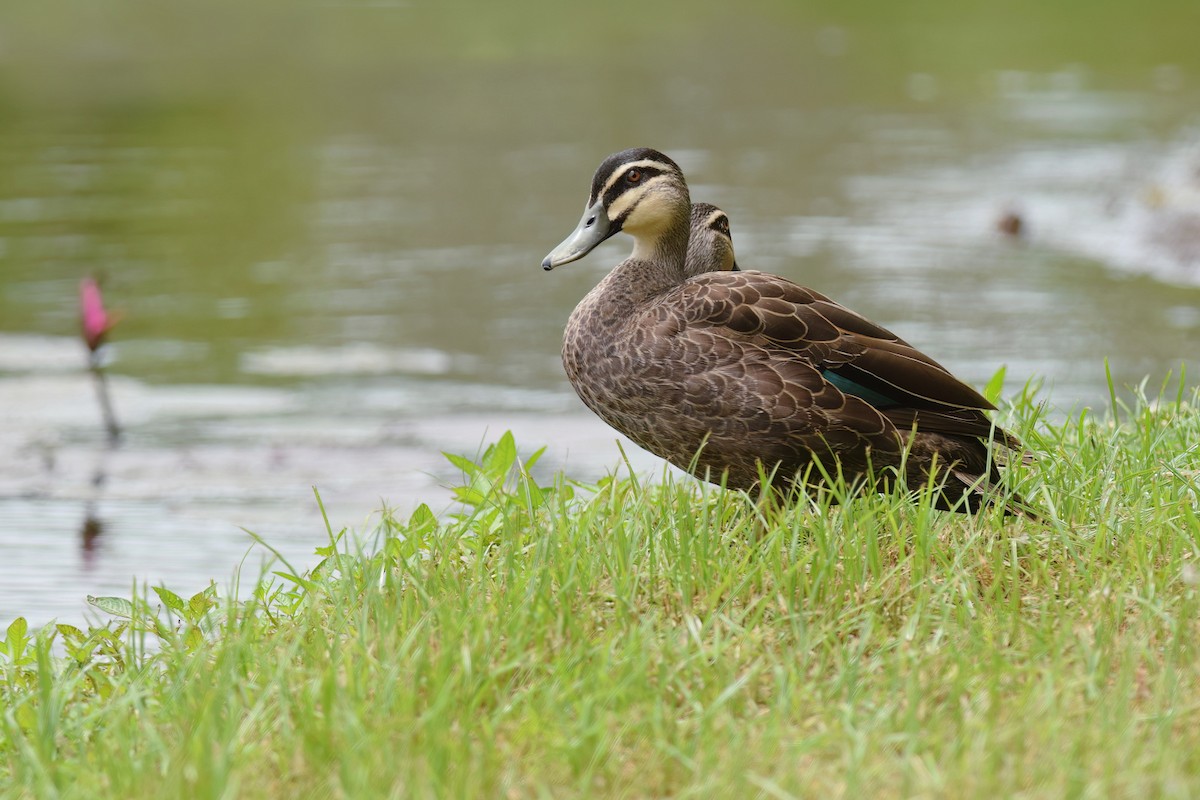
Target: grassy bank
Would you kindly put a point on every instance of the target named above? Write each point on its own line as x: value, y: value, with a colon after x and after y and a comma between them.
x: 668, y: 640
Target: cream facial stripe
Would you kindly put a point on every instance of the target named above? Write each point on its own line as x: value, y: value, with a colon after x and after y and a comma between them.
x: 629, y: 199
x: 714, y: 219
x: 617, y: 174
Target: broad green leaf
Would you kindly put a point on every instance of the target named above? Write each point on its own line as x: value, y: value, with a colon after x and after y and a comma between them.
x: 500, y: 457
x: 110, y: 636
x: 117, y: 606
x: 194, y: 638
x: 170, y: 599
x: 468, y: 466
x: 16, y: 637
x: 422, y: 519
x: 70, y: 632
x: 469, y: 495
x: 199, y: 604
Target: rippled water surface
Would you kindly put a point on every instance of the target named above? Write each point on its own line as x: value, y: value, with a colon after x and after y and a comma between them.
x: 323, y: 226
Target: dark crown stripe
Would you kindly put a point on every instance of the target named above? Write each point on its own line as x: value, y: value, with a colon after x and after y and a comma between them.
x: 613, y: 172
x: 612, y: 166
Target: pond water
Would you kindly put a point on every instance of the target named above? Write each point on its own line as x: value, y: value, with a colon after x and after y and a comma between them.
x: 324, y: 224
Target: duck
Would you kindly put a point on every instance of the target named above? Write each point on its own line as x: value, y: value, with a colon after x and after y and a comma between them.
x: 748, y: 380
x: 710, y: 241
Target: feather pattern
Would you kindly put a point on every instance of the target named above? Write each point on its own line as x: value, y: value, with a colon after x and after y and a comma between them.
x: 734, y: 374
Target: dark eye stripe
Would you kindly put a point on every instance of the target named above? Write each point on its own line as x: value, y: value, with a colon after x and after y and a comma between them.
x: 621, y: 186
x: 720, y: 223
x: 615, y: 174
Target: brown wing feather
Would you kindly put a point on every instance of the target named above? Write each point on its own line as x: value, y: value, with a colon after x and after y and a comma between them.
x: 850, y: 321
x: 902, y: 372
x: 783, y: 315
x: 963, y: 422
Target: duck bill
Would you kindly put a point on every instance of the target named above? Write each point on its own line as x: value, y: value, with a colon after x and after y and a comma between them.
x: 593, y: 228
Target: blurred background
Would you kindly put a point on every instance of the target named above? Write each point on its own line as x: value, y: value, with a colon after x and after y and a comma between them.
x: 323, y: 222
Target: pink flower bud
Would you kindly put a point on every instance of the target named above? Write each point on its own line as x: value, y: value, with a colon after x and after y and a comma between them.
x: 96, y: 321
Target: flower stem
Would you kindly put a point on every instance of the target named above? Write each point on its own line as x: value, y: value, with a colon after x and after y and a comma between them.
x: 106, y: 406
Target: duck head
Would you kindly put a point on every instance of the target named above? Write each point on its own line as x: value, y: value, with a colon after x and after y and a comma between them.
x: 710, y: 242
x: 641, y: 192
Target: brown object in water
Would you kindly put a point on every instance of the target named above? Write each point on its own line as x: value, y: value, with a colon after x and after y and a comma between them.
x: 1010, y: 223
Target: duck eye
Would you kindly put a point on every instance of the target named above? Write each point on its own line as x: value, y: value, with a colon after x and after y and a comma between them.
x: 633, y: 176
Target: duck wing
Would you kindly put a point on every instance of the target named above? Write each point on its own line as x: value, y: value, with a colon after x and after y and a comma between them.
x: 853, y: 355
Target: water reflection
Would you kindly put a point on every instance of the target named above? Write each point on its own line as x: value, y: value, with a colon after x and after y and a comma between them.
x: 92, y: 527
x: 89, y: 537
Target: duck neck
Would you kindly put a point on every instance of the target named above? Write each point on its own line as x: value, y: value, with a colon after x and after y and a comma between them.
x: 657, y: 262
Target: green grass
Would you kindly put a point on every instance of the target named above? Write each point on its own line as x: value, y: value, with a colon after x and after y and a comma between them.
x: 668, y: 640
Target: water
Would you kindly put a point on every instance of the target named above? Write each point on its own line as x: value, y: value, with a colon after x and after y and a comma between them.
x: 324, y: 227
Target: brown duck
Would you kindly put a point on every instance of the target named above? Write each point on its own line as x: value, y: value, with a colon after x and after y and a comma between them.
x: 735, y: 375
x: 710, y: 242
